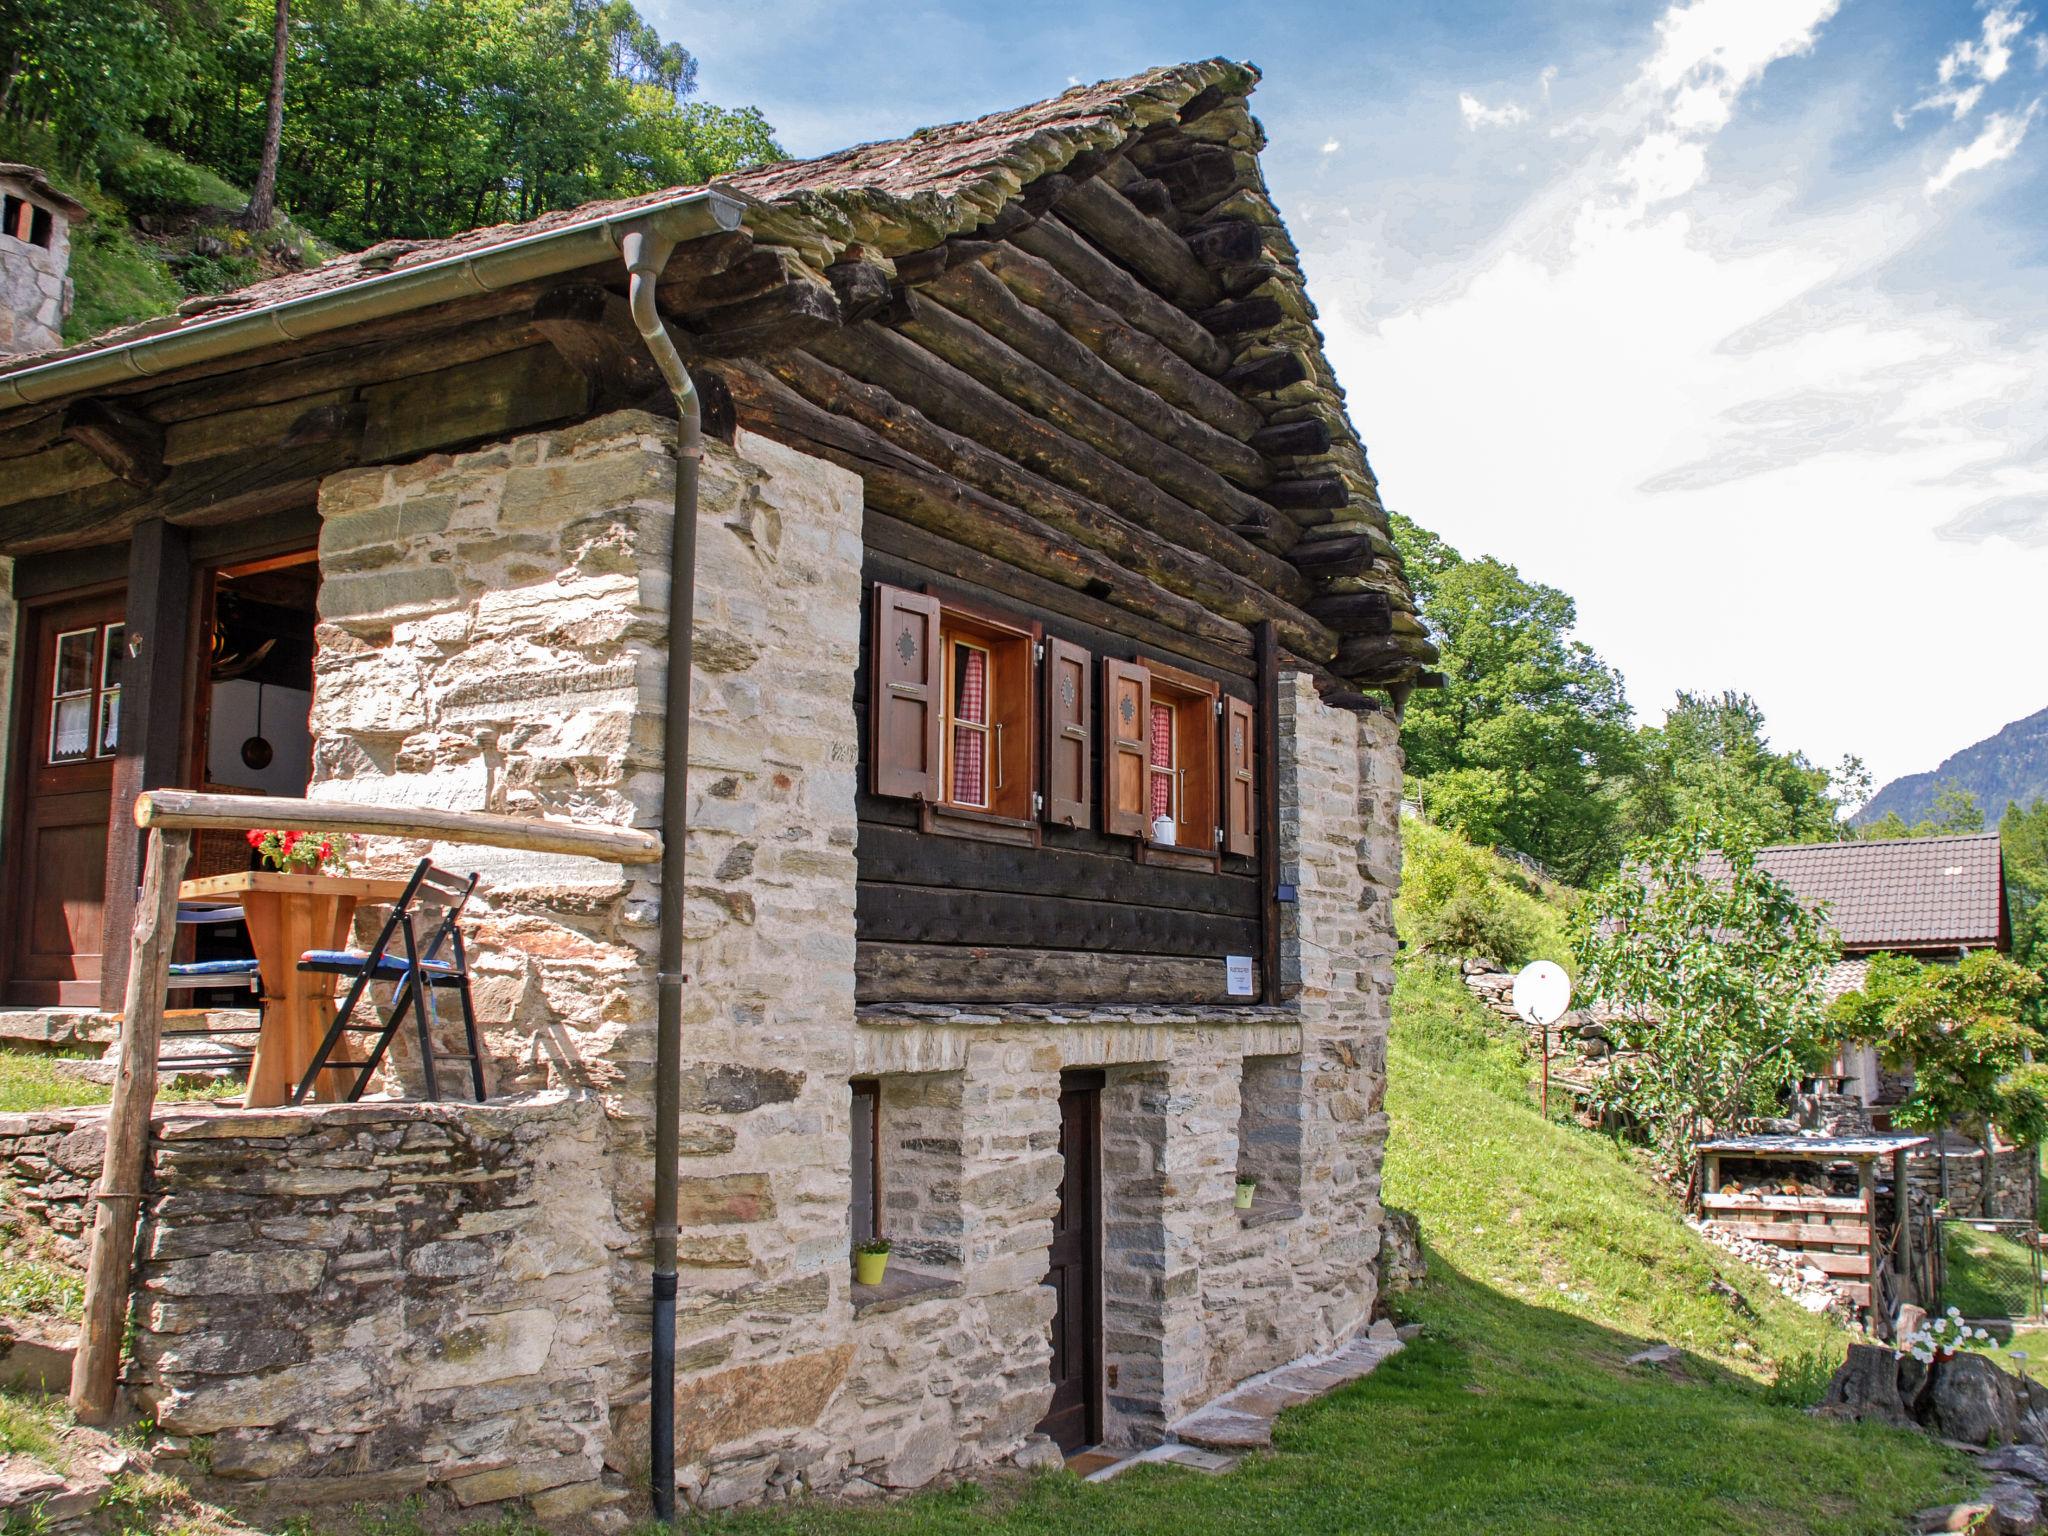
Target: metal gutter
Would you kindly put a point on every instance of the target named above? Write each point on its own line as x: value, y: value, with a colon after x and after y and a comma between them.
x: 688, y: 216
x: 646, y: 250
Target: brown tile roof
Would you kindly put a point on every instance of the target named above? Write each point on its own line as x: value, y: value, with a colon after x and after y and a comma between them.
x: 1908, y: 893
x: 898, y: 196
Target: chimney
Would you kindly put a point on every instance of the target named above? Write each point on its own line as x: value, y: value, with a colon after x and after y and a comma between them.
x: 35, y: 255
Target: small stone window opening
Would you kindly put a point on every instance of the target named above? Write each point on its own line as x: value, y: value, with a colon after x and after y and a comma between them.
x: 866, y: 1162
x: 1269, y: 1131
x: 917, y: 1151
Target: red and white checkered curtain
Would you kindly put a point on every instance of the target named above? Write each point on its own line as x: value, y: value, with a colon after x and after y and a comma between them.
x: 970, y: 765
x: 1162, y: 757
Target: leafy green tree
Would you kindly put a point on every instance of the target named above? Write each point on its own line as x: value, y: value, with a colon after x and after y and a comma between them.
x: 1711, y: 761
x: 1514, y: 750
x: 2023, y: 836
x: 1713, y: 970
x: 74, y: 72
x: 1963, y: 1030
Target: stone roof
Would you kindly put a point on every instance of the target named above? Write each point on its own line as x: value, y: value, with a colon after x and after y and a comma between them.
x: 1914, y: 893
x: 894, y: 196
x: 37, y: 181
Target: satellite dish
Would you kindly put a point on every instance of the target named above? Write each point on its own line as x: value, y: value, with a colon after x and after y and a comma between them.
x: 1542, y: 992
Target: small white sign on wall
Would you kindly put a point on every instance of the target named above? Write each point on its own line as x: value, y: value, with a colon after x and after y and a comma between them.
x: 1237, y: 971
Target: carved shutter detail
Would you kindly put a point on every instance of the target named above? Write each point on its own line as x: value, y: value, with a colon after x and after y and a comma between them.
x: 903, y: 695
x: 1127, y: 701
x: 1240, y: 779
x: 1069, y: 777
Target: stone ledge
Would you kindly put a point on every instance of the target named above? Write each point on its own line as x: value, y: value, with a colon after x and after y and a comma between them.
x: 902, y: 1287
x: 996, y: 1015
x: 1269, y: 1214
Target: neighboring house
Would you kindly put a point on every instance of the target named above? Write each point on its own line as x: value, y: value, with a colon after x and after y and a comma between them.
x: 1049, y: 647
x: 1937, y: 898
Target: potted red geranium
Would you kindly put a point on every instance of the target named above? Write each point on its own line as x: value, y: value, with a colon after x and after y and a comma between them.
x: 301, y: 853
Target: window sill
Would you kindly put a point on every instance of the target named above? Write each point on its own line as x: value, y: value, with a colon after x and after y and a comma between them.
x: 1266, y: 1214
x: 900, y: 1288
x: 1173, y: 856
x: 981, y: 826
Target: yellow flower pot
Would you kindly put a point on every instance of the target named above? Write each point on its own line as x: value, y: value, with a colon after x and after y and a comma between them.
x: 868, y: 1268
x: 1245, y: 1190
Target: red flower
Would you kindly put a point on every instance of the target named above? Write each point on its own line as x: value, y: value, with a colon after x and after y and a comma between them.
x: 291, y: 841
x: 326, y: 851
x: 256, y: 838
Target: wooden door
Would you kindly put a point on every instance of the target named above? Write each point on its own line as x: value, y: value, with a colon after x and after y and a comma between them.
x: 67, y: 724
x: 1074, y: 1271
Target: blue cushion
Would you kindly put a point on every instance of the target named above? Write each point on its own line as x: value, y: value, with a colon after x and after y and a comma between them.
x: 215, y: 968
x: 198, y: 915
x: 353, y: 960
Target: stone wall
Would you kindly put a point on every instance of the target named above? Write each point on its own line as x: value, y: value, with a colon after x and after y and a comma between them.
x: 493, y: 637
x: 359, y: 1301
x: 2015, y: 1186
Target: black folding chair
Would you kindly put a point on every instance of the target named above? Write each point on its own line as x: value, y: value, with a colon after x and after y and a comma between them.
x: 417, y: 972
x: 239, y: 975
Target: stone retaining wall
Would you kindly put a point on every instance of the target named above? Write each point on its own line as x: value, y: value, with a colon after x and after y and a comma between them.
x: 355, y: 1302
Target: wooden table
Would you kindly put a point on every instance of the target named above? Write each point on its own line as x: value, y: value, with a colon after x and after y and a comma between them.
x: 288, y: 915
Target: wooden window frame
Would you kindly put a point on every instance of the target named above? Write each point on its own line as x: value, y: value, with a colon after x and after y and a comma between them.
x: 97, y: 693
x: 1197, y: 753
x: 1014, y: 769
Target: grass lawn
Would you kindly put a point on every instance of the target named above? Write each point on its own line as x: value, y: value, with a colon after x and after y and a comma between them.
x: 33, y: 1080
x: 1554, y: 1258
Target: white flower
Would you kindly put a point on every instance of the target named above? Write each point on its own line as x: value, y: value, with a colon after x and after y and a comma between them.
x: 1955, y: 1312
x: 1924, y: 1356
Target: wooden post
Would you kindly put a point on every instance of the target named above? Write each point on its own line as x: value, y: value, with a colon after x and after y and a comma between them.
x: 1902, y: 1214
x: 119, y: 1201
x: 152, y: 713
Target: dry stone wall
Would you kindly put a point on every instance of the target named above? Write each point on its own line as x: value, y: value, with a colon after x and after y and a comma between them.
x: 35, y: 290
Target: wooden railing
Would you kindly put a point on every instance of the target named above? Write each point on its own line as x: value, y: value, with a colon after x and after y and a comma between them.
x: 171, y: 816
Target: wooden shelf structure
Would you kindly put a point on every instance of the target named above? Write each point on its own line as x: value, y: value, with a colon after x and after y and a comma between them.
x: 1839, y: 1235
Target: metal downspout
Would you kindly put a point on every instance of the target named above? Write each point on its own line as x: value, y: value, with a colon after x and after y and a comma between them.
x: 646, y: 251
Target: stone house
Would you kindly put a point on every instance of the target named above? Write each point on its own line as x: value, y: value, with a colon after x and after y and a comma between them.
x: 1048, y: 650
x: 35, y: 259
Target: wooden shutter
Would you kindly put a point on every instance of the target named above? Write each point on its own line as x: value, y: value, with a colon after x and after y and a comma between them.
x: 1127, y: 702
x: 1069, y: 776
x: 903, y: 695
x: 1240, y: 780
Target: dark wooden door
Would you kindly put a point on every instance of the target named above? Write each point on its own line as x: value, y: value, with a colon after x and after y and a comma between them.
x: 1074, y: 1270
x: 66, y: 729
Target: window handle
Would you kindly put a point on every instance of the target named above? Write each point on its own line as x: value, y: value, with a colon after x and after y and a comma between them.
x: 999, y: 754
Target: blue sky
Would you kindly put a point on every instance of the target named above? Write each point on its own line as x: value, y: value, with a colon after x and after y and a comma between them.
x: 1730, y: 317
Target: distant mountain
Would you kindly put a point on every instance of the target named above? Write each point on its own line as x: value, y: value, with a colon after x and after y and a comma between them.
x: 2013, y: 765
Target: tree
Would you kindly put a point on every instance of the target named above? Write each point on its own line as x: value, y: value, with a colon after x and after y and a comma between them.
x: 263, y: 196
x: 1515, y: 748
x: 1962, y: 1029
x: 1711, y: 760
x: 2023, y: 836
x: 1714, y: 972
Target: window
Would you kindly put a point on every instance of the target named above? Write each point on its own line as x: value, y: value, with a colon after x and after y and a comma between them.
x: 952, y: 713
x: 1170, y: 782
x: 85, y: 694
x: 866, y: 1164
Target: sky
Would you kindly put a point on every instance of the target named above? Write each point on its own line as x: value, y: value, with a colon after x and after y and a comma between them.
x: 1728, y: 317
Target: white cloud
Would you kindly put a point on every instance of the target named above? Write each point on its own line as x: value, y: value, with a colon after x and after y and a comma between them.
x: 1694, y: 404
x: 1972, y: 64
x: 1331, y: 146
x: 1479, y: 115
x: 2000, y: 139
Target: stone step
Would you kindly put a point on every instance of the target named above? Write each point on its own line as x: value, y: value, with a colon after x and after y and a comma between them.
x: 1242, y: 1418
